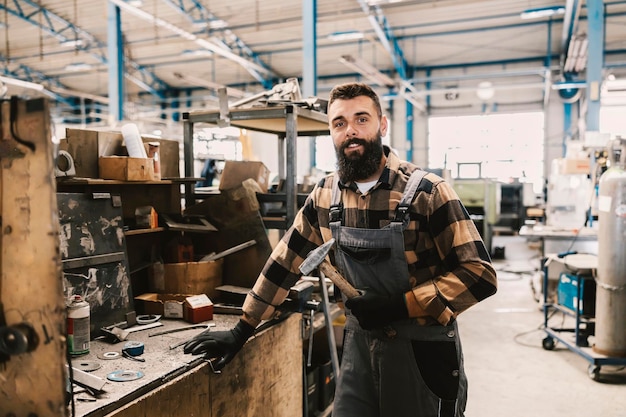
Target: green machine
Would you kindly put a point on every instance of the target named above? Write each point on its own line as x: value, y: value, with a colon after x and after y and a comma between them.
x: 481, y: 197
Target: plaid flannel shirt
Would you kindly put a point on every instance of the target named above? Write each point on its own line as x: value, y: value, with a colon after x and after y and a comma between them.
x: 449, y: 267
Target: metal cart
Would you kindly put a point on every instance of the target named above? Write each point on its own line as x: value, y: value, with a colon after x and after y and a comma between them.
x: 576, y: 273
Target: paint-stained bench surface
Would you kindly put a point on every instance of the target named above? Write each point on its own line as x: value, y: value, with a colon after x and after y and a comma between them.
x: 265, y: 378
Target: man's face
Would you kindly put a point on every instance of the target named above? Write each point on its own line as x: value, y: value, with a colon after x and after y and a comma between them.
x: 357, y: 131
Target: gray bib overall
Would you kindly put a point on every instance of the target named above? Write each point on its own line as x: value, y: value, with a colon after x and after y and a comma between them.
x: 417, y: 373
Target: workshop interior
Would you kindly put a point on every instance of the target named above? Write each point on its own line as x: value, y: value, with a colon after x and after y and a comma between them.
x: 154, y: 152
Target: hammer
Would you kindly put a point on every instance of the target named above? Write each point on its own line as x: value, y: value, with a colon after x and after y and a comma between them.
x: 317, y: 259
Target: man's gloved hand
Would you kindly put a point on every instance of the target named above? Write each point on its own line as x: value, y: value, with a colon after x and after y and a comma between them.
x: 222, y: 344
x: 375, y: 311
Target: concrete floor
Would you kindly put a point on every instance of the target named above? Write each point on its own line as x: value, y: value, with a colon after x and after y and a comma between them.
x: 509, y: 372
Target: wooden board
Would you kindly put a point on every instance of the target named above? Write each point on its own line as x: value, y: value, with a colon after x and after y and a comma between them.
x: 236, y: 215
x: 163, y: 196
x: 93, y: 251
x: 264, y: 379
x: 30, y: 286
x: 86, y: 146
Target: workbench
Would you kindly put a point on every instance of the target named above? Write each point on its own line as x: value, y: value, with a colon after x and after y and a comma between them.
x: 558, y: 239
x: 265, y: 378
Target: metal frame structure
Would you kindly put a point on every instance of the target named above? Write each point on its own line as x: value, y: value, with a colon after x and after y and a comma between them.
x: 288, y: 121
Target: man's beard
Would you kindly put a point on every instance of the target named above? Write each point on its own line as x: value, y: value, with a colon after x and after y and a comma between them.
x: 357, y: 167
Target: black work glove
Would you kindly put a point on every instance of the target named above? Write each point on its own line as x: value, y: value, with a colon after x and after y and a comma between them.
x: 376, y: 311
x: 223, y: 345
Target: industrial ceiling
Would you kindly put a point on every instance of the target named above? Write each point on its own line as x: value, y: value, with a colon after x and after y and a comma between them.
x: 441, y: 55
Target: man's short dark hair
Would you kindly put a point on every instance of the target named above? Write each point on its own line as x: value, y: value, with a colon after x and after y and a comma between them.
x: 352, y: 90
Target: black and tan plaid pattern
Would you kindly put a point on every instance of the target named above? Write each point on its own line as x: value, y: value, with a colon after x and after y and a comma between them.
x: 449, y: 267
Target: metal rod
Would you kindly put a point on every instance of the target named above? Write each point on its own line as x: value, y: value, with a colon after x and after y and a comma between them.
x: 334, y: 357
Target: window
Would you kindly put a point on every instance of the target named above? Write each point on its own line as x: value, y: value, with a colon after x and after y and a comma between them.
x: 612, y: 120
x: 498, y: 146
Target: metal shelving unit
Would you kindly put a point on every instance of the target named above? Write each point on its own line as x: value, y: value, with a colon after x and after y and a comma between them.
x: 287, y: 121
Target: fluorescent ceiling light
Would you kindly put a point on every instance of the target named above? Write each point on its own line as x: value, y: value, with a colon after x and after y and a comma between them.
x: 217, y: 24
x: 210, y: 23
x: 378, y: 2
x: 233, y: 92
x: 576, y: 59
x: 345, y: 36
x: 78, y: 66
x: 72, y: 43
x: 540, y: 12
x: 367, y: 70
x: 197, y: 52
x: 23, y: 84
x: 569, y: 85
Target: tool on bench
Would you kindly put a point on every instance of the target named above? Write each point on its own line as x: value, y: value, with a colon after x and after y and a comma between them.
x: 317, y: 259
x: 119, y: 332
x: 180, y: 329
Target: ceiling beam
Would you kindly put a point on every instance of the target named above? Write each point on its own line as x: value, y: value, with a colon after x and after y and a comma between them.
x: 200, y: 16
x: 386, y: 37
x: 252, y: 67
x: 65, y: 31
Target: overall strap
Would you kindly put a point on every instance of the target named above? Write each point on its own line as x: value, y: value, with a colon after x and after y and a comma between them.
x: 402, y: 211
x: 336, y: 208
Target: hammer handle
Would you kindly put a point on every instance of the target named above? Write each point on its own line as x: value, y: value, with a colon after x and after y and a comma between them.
x: 331, y: 273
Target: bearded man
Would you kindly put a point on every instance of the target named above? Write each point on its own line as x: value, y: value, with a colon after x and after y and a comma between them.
x: 405, y: 240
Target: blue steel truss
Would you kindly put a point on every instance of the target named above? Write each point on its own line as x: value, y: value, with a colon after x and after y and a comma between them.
x: 200, y: 15
x: 64, y: 31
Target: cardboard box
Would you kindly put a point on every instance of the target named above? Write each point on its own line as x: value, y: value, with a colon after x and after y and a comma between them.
x: 569, y: 166
x: 188, y: 278
x: 87, y: 146
x: 236, y: 172
x: 199, y: 308
x: 191, y: 308
x: 168, y: 305
x: 124, y: 168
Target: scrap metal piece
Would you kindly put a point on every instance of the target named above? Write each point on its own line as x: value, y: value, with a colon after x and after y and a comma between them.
x: 84, y: 379
x: 214, y: 256
x: 180, y: 329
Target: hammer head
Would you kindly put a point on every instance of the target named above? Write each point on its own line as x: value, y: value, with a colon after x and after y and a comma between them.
x: 315, y: 257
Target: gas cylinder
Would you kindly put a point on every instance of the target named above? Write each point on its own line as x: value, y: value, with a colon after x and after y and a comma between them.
x: 610, y: 330
x: 78, y: 334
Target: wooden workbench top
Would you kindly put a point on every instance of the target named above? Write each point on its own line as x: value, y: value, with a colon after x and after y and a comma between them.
x: 163, y: 365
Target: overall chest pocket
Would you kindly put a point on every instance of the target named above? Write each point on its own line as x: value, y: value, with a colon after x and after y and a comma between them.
x: 366, y: 256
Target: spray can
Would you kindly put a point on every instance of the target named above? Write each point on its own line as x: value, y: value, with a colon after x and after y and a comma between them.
x: 78, y: 326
